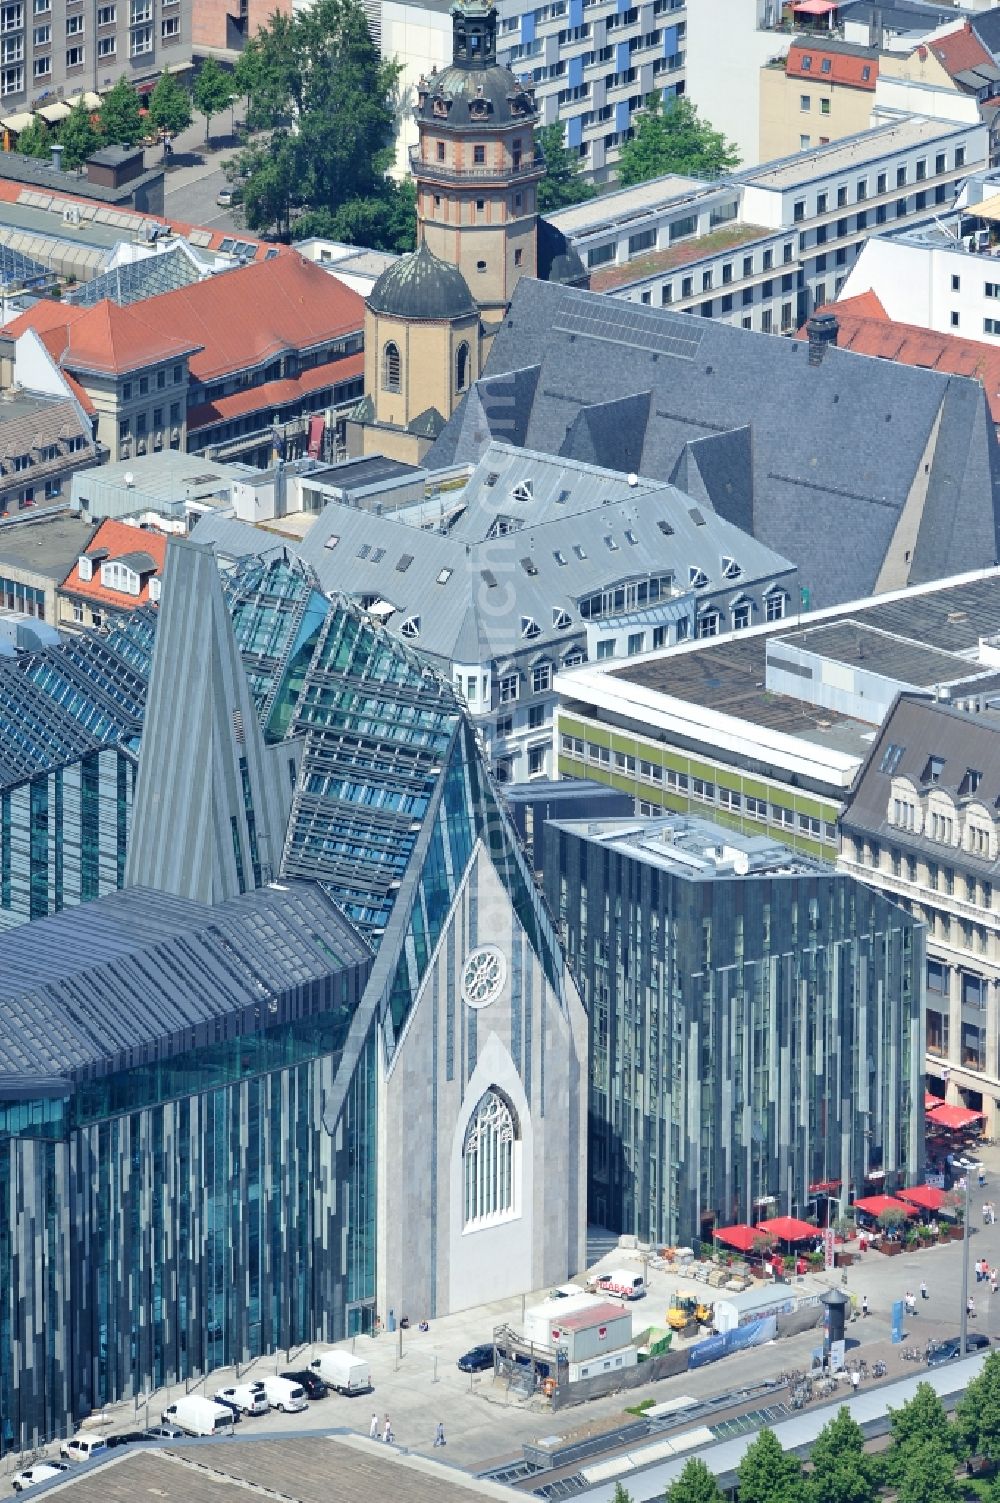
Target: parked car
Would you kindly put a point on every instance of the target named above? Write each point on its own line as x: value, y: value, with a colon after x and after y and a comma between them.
x: 947, y: 1351
x: 478, y: 1359
x: 227, y: 196
x: 312, y: 1383
x: 290, y: 1398
x: 129, y: 1438
x: 83, y: 1447
x: 344, y: 1372
x: 231, y: 1405
x: 248, y: 1398
x: 42, y: 1471
x: 163, y: 1432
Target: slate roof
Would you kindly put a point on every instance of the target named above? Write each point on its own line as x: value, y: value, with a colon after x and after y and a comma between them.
x: 34, y: 425
x: 922, y: 728
x: 82, y: 989
x: 469, y: 589
x: 818, y: 461
x: 422, y: 286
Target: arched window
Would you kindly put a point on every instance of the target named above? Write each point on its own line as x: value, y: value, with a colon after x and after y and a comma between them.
x: 488, y: 1155
x: 390, y: 367
x: 462, y: 367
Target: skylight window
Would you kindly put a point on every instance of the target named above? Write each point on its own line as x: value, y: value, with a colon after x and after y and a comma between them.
x: 444, y: 576
x: 378, y: 555
x: 562, y: 496
x: 332, y: 540
x: 890, y: 758
x: 492, y: 478
x: 405, y: 560
x: 665, y: 528
x: 610, y: 543
x: 630, y: 537
x: 529, y: 566
x: 559, y: 556
x: 489, y: 579
x: 364, y: 550
x: 579, y: 550
x: 696, y: 517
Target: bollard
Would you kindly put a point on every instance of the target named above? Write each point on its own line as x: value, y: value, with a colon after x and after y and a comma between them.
x: 435, y: 1377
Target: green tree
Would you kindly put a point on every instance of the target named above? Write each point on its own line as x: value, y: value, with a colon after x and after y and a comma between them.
x: 121, y: 122
x: 620, y: 1495
x: 323, y: 93
x: 696, y: 1484
x: 674, y: 139
x: 35, y: 140
x: 212, y: 93
x: 78, y: 136
x: 977, y: 1415
x: 767, y: 1474
x: 928, y: 1475
x: 920, y: 1421
x: 246, y: 73
x: 562, y: 183
x: 841, y: 1471
x: 169, y: 105
x: 387, y: 220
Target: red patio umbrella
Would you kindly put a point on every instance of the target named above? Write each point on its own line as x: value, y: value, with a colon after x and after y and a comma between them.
x: 927, y: 1197
x: 930, y: 1102
x: 953, y: 1118
x: 740, y: 1236
x: 788, y: 1229
x: 874, y: 1205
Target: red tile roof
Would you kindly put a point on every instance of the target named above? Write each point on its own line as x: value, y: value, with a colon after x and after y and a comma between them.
x: 866, y: 328
x: 275, y: 394
x: 846, y: 68
x: 243, y: 317
x: 119, y: 539
x: 105, y: 339
x: 959, y: 50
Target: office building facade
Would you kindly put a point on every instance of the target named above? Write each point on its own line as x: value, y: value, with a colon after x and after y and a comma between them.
x: 754, y: 1020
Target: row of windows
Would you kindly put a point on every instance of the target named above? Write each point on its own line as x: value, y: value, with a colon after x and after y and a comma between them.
x: 392, y: 367
x: 825, y: 201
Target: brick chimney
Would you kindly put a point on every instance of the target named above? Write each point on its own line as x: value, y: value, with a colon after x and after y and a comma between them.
x: 822, y: 330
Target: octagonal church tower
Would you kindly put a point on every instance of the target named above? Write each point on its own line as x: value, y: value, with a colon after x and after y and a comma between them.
x: 475, y: 166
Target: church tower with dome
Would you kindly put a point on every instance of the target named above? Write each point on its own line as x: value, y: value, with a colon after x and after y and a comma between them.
x: 431, y: 316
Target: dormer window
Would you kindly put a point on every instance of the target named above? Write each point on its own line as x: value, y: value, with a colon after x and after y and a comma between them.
x: 523, y: 491
x: 155, y: 587
x: 730, y: 569
x: 561, y: 619
x: 697, y: 578
x: 933, y: 769
x: 530, y: 627
x: 410, y: 627
x: 85, y: 567
x: 970, y: 782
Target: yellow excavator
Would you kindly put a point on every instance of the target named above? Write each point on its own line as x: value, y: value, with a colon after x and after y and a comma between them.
x: 687, y: 1310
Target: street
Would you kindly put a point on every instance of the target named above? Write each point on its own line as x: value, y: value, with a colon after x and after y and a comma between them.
x: 194, y: 172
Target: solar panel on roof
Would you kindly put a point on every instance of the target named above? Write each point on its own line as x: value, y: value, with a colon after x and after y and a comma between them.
x: 632, y: 327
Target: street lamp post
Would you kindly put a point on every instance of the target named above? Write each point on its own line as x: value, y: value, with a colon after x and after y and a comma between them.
x: 966, y: 1168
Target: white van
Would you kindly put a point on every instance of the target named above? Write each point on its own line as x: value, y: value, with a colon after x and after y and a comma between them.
x: 83, y: 1447
x: 285, y: 1395
x: 344, y: 1372
x: 622, y: 1283
x: 198, y: 1416
x: 248, y: 1397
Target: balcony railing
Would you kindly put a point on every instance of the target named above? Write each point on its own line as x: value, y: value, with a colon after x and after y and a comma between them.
x: 508, y: 173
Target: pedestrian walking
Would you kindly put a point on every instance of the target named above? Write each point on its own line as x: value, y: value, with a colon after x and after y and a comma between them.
x: 910, y: 1302
x: 439, y: 1439
x: 994, y: 1280
x: 373, y: 1428
x: 387, y: 1432
x: 970, y: 1308
x: 864, y: 1307
x: 923, y: 1289
x: 855, y: 1379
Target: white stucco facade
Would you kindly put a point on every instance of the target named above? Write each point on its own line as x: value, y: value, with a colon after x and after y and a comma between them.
x: 727, y: 45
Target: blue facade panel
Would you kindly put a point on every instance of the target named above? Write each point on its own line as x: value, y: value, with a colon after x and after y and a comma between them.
x: 574, y: 130
x: 670, y: 37
x: 575, y: 13
x: 621, y: 57
x: 621, y: 115
x: 575, y: 72
x: 528, y: 27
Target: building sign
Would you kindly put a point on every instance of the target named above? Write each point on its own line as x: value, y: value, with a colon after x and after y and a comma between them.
x: 828, y: 1248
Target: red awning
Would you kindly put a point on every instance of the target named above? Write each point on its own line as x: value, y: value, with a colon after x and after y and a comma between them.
x: 788, y: 1229
x: 930, y: 1102
x: 822, y: 1186
x: 928, y: 1197
x: 814, y: 7
x: 954, y: 1118
x: 874, y: 1205
x: 739, y: 1236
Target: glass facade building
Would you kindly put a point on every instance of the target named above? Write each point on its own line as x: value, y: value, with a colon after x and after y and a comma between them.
x: 188, y: 1083
x: 754, y: 1025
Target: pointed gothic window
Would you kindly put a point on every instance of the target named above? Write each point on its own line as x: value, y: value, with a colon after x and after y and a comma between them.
x: 488, y: 1158
x: 391, y: 367
x: 462, y: 367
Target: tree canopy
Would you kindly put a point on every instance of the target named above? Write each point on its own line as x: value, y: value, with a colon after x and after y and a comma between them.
x: 212, y: 92
x: 34, y: 140
x: 674, y: 139
x: 78, y: 137
x: 121, y: 122
x: 169, y: 105
x: 317, y: 87
x: 928, y: 1474
x: 696, y: 1484
x: 977, y: 1415
x: 562, y: 183
x: 921, y: 1420
x: 620, y: 1495
x: 767, y: 1474
x: 841, y: 1471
